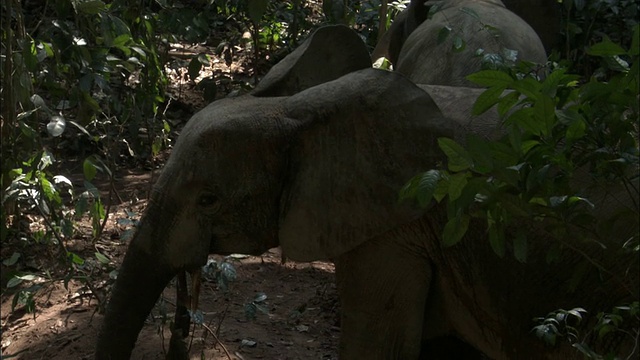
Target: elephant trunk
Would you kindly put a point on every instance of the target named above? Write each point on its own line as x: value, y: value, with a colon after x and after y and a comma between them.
x: 139, y: 284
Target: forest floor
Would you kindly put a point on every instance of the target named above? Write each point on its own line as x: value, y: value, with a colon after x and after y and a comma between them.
x: 302, y: 317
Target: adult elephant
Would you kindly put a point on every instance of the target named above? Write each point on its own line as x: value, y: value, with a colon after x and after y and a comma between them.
x: 318, y: 173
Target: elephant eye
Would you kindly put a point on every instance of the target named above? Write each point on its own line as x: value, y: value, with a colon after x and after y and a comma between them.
x: 207, y: 200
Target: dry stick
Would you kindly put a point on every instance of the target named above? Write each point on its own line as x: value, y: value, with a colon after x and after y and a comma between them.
x: 218, y: 340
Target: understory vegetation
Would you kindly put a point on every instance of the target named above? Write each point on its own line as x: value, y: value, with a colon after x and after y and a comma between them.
x: 89, y: 89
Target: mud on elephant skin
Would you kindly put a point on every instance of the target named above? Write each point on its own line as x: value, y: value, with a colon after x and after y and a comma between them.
x: 318, y: 173
x: 420, y: 53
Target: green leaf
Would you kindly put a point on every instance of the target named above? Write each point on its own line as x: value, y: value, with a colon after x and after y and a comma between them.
x: 606, y: 48
x: 480, y: 150
x: 194, y: 68
x: 12, y: 260
x: 528, y: 87
x: 576, y: 130
x: 489, y: 78
x: 103, y: 259
x: 520, y: 247
x: 457, y: 182
x: 90, y: 7
x: 427, y: 186
x: 443, y: 33
x: 524, y: 118
x: 13, y: 282
x: 544, y: 112
x: 487, y: 99
x: 421, y: 187
x: 89, y: 169
x: 75, y: 258
x: 455, y: 229
x: 458, y: 158
x: 507, y: 102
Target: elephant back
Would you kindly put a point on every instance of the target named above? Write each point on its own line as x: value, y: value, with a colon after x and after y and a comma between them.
x: 471, y: 28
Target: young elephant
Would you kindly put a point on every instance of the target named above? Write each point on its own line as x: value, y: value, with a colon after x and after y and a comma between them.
x: 426, y: 56
x: 318, y: 173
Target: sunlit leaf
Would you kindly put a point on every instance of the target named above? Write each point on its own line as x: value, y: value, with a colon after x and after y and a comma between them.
x: 56, y: 125
x: 490, y: 78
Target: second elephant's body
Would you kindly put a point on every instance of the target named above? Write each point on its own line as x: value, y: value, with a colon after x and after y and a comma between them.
x: 460, y: 36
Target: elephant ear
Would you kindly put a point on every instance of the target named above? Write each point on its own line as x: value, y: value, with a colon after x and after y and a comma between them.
x: 358, y: 140
x: 329, y: 53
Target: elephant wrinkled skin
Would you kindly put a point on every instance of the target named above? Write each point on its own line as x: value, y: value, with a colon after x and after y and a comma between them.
x: 318, y: 173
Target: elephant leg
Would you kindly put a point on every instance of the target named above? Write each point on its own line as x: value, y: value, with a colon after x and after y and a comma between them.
x: 383, y: 286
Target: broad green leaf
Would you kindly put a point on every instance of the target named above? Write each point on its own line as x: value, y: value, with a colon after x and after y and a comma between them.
x: 544, y: 112
x: 442, y: 189
x: 13, y: 282
x: 421, y: 187
x: 527, y: 145
x: 458, y: 158
x: 520, y: 247
x: 576, y: 130
x: 455, y: 229
x: 606, y: 48
x: 103, y: 259
x: 12, y: 260
x: 74, y: 258
x: 457, y: 182
x: 480, y: 150
x: 528, y: 87
x: 568, y: 116
x: 487, y: 99
x: 525, y: 118
x: 89, y: 169
x: 427, y: 186
x: 507, y: 102
x: 491, y: 78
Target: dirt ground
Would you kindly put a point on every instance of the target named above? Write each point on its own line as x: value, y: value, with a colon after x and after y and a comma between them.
x: 301, y: 323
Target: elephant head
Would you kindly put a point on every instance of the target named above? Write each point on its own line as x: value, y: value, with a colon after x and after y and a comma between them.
x: 422, y: 52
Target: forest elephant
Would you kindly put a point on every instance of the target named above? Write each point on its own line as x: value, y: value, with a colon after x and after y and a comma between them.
x: 455, y: 39
x: 318, y: 173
